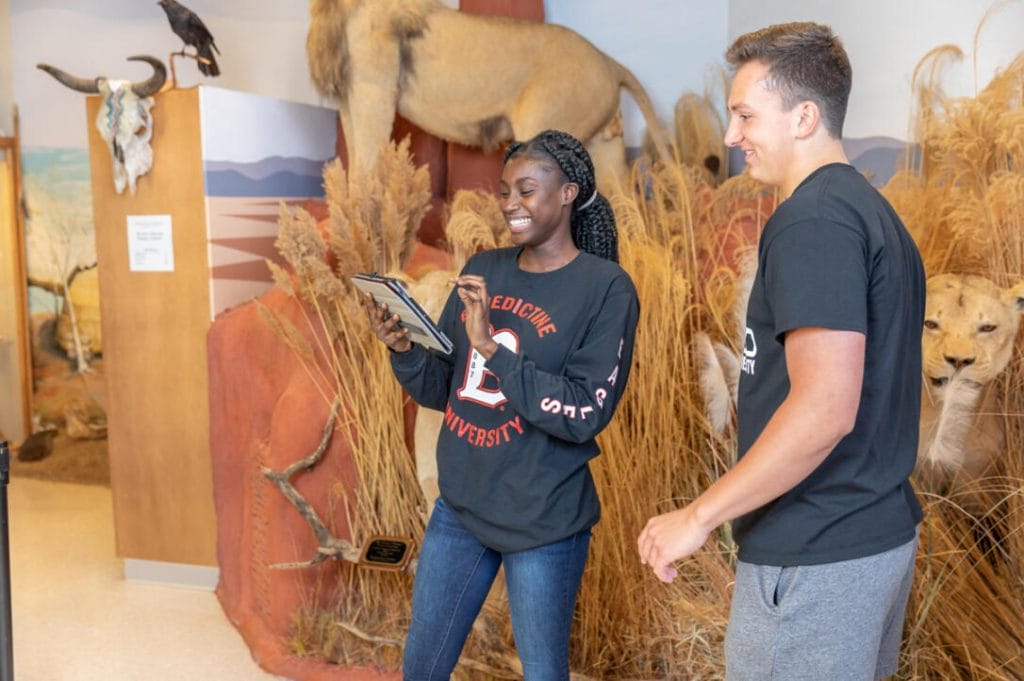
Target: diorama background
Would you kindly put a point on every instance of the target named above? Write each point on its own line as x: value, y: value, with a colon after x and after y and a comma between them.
x: 673, y: 46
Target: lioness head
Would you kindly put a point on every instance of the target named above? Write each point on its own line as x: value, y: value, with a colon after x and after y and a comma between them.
x: 969, y: 328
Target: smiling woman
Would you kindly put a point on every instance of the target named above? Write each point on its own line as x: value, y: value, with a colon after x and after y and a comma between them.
x: 543, y: 335
x: 536, y: 201
x: 562, y: 157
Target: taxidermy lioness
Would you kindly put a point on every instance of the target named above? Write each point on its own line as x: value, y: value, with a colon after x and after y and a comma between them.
x: 970, y: 328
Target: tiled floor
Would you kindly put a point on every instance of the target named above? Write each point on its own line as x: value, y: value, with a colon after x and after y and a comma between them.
x: 77, y: 619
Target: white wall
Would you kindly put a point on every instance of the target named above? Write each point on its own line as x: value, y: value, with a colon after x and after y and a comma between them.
x: 885, y: 40
x: 671, y: 46
x: 6, y: 90
x: 262, y: 45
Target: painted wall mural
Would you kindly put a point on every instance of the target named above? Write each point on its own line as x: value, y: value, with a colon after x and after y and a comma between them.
x: 257, y: 152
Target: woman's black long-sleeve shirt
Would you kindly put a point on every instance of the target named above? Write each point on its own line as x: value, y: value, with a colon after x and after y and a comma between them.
x: 519, y: 428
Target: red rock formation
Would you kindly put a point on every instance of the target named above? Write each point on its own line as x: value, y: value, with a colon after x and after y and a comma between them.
x: 264, y: 411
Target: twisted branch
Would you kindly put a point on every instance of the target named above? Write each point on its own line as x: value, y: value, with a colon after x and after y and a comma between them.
x: 329, y: 545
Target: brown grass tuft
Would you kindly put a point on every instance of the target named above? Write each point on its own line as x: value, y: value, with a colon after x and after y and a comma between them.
x: 475, y: 224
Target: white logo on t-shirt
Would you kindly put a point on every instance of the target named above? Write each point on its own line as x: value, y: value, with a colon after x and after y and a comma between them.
x: 749, y: 352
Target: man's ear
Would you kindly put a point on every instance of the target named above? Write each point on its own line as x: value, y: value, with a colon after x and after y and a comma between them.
x: 806, y: 119
x: 570, y: 190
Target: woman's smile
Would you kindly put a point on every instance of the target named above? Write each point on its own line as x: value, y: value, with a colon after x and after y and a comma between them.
x: 519, y: 224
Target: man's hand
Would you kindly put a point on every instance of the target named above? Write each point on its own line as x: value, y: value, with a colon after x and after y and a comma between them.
x: 670, y: 537
x: 472, y: 290
x: 386, y: 327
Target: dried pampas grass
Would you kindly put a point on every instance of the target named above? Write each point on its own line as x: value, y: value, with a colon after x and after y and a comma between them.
x: 475, y: 224
x: 962, y: 196
x: 683, y: 241
x: 372, y: 226
x: 661, y: 448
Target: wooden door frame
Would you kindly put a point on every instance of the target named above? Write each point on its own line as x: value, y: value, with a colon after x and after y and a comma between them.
x: 11, y: 149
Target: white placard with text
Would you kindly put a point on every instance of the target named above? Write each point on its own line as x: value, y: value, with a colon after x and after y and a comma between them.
x: 150, y: 244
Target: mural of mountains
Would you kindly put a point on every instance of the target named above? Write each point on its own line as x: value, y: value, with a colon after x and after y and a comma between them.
x: 271, y: 176
x: 878, y: 156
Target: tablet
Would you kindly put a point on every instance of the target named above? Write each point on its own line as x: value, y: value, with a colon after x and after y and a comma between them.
x: 412, y: 317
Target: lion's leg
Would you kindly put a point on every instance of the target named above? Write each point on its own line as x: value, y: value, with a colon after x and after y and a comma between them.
x: 608, y: 150
x: 371, y: 115
x: 373, y: 94
x: 607, y: 147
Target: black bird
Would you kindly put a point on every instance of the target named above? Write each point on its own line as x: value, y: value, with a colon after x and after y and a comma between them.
x: 191, y: 29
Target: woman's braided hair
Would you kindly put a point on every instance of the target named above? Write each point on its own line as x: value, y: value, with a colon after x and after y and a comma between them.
x: 592, y: 220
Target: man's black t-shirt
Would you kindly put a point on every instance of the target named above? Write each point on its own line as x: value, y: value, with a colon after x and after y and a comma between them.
x: 835, y: 255
x: 519, y: 428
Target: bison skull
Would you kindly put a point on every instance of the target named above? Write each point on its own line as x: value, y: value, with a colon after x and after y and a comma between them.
x: 123, y: 121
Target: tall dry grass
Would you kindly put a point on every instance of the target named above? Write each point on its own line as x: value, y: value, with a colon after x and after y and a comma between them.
x: 372, y: 225
x: 680, y: 238
x: 699, y: 129
x: 660, y: 450
x: 964, y: 202
x: 677, y: 231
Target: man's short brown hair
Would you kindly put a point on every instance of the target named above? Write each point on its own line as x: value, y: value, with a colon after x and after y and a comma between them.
x: 805, y: 61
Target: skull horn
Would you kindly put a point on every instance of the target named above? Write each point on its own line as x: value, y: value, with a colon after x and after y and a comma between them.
x: 89, y: 86
x: 153, y: 84
x: 73, y: 82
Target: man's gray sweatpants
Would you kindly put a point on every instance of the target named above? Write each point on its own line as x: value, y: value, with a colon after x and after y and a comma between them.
x: 833, y: 622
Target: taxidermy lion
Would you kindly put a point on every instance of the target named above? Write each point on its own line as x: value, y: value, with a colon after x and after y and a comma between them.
x: 467, y: 78
x: 970, y: 328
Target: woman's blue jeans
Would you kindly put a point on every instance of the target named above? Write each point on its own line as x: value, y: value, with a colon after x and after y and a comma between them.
x: 453, y: 576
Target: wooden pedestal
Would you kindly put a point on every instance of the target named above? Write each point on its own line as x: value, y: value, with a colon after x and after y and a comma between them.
x: 154, y: 338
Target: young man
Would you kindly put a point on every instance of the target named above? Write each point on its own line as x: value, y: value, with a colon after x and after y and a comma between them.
x: 829, y: 398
